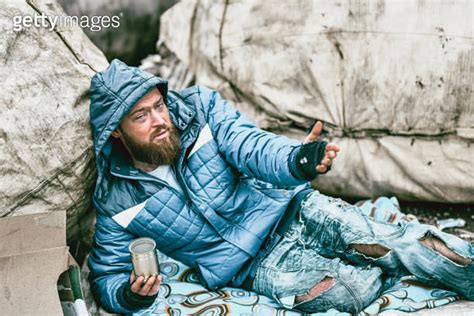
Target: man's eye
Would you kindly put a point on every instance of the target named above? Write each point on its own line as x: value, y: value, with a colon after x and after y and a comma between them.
x: 139, y: 117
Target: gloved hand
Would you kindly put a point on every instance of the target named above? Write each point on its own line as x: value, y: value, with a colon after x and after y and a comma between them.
x: 139, y: 292
x: 313, y: 157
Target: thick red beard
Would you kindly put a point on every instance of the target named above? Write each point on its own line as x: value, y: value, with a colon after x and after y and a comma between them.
x: 163, y: 152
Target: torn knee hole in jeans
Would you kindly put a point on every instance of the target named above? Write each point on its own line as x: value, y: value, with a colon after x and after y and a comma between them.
x: 316, y: 290
x: 435, y: 243
x: 371, y: 250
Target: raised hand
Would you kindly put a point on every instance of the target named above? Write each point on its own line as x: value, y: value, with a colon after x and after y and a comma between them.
x: 330, y: 152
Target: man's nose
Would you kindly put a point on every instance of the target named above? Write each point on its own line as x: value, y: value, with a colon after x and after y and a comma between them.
x: 157, y: 118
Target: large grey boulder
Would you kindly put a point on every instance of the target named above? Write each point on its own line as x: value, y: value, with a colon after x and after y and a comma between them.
x: 46, y: 155
x: 393, y: 81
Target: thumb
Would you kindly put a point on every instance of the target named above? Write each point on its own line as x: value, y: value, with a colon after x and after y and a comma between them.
x: 315, y: 132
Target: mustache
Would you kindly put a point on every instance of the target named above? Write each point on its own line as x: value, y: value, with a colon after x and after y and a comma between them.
x: 160, y: 129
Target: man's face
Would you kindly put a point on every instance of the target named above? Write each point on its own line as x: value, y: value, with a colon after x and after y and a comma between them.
x: 148, y: 134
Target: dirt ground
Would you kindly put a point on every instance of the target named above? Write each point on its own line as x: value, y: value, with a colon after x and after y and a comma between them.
x: 429, y: 213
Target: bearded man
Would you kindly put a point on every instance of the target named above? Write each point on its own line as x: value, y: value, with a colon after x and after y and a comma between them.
x: 234, y: 203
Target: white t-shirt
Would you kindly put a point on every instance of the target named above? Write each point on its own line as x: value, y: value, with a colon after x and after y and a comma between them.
x: 166, y: 174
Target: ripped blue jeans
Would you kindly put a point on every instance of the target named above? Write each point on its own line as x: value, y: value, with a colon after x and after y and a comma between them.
x: 317, y: 246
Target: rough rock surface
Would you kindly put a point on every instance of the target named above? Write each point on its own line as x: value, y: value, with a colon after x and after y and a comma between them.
x: 165, y: 64
x: 393, y: 81
x: 46, y: 152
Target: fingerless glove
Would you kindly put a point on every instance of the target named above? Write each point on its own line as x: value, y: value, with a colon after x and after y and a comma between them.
x: 304, y: 159
x: 133, y: 301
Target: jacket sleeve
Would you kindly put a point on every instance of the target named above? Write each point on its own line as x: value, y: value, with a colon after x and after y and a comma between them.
x: 110, y: 265
x: 251, y: 150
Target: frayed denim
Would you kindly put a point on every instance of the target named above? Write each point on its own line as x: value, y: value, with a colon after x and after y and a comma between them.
x: 319, y: 244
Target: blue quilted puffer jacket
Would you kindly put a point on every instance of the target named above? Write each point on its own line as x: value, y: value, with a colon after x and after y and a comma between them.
x: 235, y: 178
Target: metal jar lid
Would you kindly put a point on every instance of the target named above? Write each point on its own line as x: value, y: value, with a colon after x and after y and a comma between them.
x: 142, y: 245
